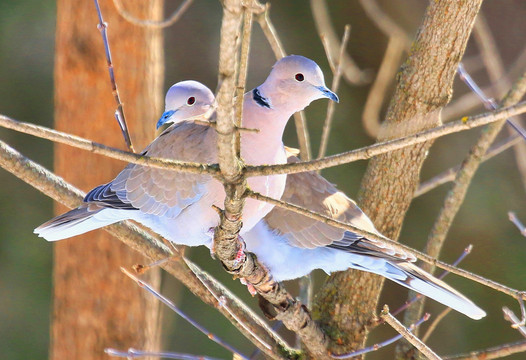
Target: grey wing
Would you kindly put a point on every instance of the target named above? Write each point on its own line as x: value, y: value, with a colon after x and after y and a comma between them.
x: 312, y: 191
x: 157, y: 191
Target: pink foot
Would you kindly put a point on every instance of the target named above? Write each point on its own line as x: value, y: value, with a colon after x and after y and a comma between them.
x: 251, y: 289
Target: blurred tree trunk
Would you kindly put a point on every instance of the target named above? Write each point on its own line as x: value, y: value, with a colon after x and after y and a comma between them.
x: 95, y: 306
x: 348, y: 300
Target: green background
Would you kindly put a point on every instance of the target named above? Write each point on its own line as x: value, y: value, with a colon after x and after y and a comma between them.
x: 26, y: 94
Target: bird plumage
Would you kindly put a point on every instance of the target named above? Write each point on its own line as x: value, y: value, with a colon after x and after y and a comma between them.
x: 291, y: 245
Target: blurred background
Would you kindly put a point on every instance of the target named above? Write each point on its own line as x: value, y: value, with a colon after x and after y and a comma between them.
x: 26, y: 94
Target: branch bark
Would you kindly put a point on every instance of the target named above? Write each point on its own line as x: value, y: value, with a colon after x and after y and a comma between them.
x: 347, y: 301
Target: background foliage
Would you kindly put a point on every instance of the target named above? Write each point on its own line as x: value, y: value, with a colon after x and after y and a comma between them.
x: 26, y: 94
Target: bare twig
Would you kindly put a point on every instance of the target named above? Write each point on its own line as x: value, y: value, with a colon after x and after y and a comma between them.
x: 399, y: 42
x: 495, y: 69
x: 337, y: 72
x: 119, y: 112
x: 390, y: 63
x: 450, y: 174
x: 300, y: 120
x: 135, y: 354
x: 496, y: 352
x: 179, y: 312
x: 154, y: 24
x: 406, y: 333
x: 435, y: 323
x: 516, y: 323
x: 151, y: 246
x: 351, y: 72
x: 456, y: 196
x: 515, y: 220
x: 96, y: 148
x: 378, y: 346
x: 387, y: 25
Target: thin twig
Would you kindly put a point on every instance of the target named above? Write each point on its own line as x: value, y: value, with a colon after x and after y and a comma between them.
x: 455, y: 197
x: 378, y: 346
x: 435, y: 323
x: 300, y: 121
x: 398, y: 42
x: 364, y: 153
x: 323, y: 23
x: 515, y: 220
x: 495, y: 69
x: 451, y: 173
x: 406, y: 333
x: 154, y: 24
x: 96, y: 148
x: 335, y: 84
x: 179, y: 312
x: 516, y: 294
x: 489, y: 103
x: 119, y: 112
x: 516, y: 323
x: 134, y: 354
x: 386, y: 74
x: 227, y: 244
x: 496, y: 352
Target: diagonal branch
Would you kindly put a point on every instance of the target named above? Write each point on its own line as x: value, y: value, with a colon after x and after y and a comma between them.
x: 153, y: 247
x: 516, y: 294
x: 364, y: 153
x: 172, y: 19
x: 351, y: 72
x: 100, y: 149
x: 384, y: 147
x: 456, y: 195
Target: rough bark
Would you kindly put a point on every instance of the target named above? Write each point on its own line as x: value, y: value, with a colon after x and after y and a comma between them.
x: 93, y: 307
x: 348, y: 300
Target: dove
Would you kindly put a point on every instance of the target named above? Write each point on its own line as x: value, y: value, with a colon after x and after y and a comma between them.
x: 291, y: 245
x: 179, y: 206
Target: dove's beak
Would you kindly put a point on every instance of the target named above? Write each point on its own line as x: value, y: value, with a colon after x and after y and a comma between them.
x: 327, y: 93
x: 165, y: 118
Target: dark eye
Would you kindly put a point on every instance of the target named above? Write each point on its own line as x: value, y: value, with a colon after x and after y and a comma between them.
x: 299, y: 77
x: 191, y: 100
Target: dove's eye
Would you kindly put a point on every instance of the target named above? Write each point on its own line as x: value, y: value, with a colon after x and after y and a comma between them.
x: 299, y: 77
x: 191, y: 101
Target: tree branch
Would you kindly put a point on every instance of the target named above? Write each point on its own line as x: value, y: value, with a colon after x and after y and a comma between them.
x: 153, y: 247
x: 172, y: 19
x: 456, y: 195
x: 388, y: 146
x: 408, y: 335
x: 351, y: 72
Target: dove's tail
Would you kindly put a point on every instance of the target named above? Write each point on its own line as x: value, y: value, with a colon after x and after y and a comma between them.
x: 78, y: 221
x: 414, y: 278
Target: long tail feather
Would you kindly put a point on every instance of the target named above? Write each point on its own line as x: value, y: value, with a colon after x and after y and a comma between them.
x: 75, y: 222
x: 422, y: 282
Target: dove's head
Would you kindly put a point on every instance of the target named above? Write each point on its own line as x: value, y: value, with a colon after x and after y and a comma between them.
x: 296, y: 80
x: 186, y: 100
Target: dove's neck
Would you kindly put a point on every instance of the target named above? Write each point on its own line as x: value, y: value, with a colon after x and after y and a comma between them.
x: 269, y: 116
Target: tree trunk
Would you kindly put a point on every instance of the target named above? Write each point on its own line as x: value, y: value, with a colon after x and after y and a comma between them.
x: 347, y: 302
x: 95, y: 306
